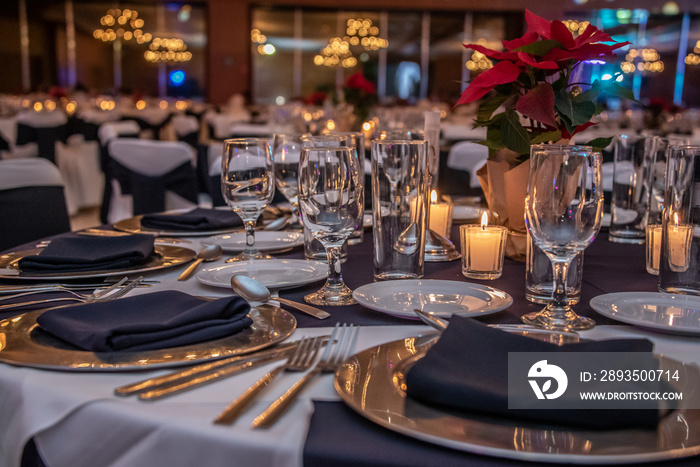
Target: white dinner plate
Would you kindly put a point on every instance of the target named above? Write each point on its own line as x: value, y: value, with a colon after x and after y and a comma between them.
x: 466, y: 213
x: 373, y: 382
x: 274, y: 273
x: 264, y: 241
x: 673, y: 313
x: 442, y: 298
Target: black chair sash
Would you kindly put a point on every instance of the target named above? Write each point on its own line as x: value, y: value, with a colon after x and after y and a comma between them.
x: 31, y: 213
x: 78, y: 126
x: 45, y: 137
x: 105, y: 166
x: 4, y: 145
x: 144, y: 125
x: 149, y: 192
x: 190, y: 138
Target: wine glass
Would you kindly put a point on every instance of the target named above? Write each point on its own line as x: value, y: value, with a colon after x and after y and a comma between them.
x: 286, y: 149
x: 329, y: 203
x: 354, y: 140
x: 563, y: 213
x: 248, y: 185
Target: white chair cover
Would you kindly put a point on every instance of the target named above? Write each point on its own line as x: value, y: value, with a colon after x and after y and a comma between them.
x: 113, y: 130
x: 42, y: 119
x: 33, y: 171
x: 470, y: 157
x: 150, y: 158
x: 79, y: 163
x: 185, y: 124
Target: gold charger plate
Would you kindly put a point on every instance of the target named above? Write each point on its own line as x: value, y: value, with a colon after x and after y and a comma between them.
x: 133, y: 225
x: 24, y: 343
x: 165, y: 256
x: 373, y: 384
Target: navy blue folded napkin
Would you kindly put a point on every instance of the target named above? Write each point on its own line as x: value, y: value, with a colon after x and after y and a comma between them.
x: 151, y: 321
x: 467, y: 370
x: 194, y: 220
x: 75, y: 253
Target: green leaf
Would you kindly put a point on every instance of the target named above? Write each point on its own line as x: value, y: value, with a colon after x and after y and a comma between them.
x: 495, y: 145
x: 540, y: 48
x: 547, y: 137
x: 489, y: 106
x: 513, y: 135
x: 615, y: 89
x: 577, y: 113
x: 599, y: 144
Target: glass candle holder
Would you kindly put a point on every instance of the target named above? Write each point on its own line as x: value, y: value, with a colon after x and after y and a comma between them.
x: 653, y: 247
x: 483, y: 249
x: 440, y: 220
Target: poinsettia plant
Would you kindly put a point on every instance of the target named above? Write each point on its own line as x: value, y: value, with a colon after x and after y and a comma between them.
x: 361, y: 94
x: 532, y: 78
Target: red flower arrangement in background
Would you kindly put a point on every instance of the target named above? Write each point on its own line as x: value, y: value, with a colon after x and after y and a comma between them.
x: 361, y: 94
x: 532, y: 78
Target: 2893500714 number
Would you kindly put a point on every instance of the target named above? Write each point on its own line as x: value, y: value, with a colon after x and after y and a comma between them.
x: 638, y: 375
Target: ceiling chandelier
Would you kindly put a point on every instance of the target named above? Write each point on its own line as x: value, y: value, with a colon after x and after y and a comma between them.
x: 167, y: 50
x: 360, y: 33
x: 122, y: 25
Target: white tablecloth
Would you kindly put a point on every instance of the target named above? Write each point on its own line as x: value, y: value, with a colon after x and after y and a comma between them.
x: 78, y: 422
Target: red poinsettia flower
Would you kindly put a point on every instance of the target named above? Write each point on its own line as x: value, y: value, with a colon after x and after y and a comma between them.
x: 531, y: 77
x: 358, y: 81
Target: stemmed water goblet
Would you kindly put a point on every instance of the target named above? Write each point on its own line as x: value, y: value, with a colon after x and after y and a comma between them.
x: 286, y: 150
x: 563, y: 213
x: 248, y: 186
x: 329, y: 203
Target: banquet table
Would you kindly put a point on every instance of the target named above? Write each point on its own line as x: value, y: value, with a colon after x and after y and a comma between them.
x: 72, y: 419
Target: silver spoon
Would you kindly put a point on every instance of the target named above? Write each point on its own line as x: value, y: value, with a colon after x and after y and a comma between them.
x: 208, y: 253
x: 254, y: 291
x: 277, y: 224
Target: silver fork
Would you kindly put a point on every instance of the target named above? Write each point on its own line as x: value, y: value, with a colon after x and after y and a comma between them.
x: 60, y: 288
x: 102, y: 298
x: 301, y: 360
x: 341, y: 342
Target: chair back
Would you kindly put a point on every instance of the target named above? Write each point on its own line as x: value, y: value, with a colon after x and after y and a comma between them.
x: 186, y: 129
x: 43, y: 128
x: 32, y: 201
x: 149, y: 170
x: 470, y: 157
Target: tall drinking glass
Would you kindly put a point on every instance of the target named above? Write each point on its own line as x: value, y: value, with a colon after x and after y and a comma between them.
x: 329, y: 202
x: 248, y: 186
x: 563, y: 213
x: 286, y: 150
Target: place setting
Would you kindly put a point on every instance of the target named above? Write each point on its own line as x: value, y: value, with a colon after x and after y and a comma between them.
x: 75, y: 256
x: 151, y: 330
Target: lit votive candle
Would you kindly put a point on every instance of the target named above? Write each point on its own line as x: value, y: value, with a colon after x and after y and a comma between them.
x: 653, y: 247
x: 678, y: 238
x: 483, y: 248
x: 440, y: 220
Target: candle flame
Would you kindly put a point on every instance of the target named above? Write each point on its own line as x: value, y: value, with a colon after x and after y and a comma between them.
x: 676, y: 222
x: 433, y: 197
x: 484, y: 220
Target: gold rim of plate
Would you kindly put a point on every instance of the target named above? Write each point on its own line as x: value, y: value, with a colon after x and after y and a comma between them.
x: 23, y: 343
x: 372, y: 383
x: 165, y: 256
